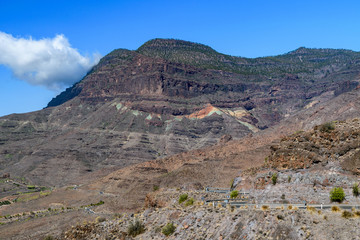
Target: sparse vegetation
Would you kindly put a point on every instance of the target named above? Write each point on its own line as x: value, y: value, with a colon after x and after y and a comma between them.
x: 347, y: 214
x: 327, y: 127
x: 234, y: 194
x: 155, y: 188
x: 183, y: 198
x: 168, y: 229
x: 289, y: 179
x: 135, y: 228
x: 335, y: 209
x: 265, y: 207
x: 6, y: 202
x: 101, y: 202
x: 311, y: 209
x: 100, y: 219
x: 49, y: 237
x: 337, y: 195
x: 189, y: 202
x: 30, y: 186
x: 232, y: 183
x: 355, y: 190
x: 274, y: 178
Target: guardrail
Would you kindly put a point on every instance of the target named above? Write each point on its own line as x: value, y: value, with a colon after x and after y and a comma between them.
x: 222, y: 190
x: 248, y: 205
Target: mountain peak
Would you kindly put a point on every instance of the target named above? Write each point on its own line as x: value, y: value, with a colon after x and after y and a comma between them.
x: 160, y: 44
x: 326, y: 51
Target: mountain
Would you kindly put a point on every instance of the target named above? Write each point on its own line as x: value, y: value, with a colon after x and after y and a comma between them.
x: 180, y: 116
x: 248, y: 163
x: 167, y: 97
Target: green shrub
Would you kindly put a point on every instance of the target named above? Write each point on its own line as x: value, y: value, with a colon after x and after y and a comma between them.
x: 274, y: 178
x: 168, y: 229
x: 355, y: 190
x: 234, y: 194
x: 155, y: 188
x: 30, y: 186
x: 189, y: 202
x: 136, y: 228
x: 183, y: 198
x: 327, y: 127
x: 337, y: 195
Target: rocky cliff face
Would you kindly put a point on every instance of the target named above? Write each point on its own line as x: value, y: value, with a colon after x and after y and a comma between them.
x: 167, y: 97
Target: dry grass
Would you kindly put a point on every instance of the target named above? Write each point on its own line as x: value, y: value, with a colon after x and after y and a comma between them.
x: 290, y: 207
x: 347, y: 214
x: 265, y: 207
x: 335, y: 209
x: 311, y: 209
x: 357, y: 213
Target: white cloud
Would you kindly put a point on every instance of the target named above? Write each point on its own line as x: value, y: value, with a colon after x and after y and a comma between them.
x: 52, y: 63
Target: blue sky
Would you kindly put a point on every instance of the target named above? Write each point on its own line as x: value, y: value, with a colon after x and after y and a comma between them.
x: 251, y: 28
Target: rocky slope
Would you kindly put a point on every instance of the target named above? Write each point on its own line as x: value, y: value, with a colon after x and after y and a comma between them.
x: 202, y: 221
x: 240, y: 160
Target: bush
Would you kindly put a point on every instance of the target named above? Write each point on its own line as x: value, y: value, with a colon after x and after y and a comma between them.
x: 327, y: 127
x: 155, y: 188
x: 182, y: 198
x: 136, y: 228
x: 234, y: 194
x: 355, y: 190
x: 347, y: 214
x: 168, y: 229
x: 337, y: 195
x: 274, y: 178
x: 189, y: 202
